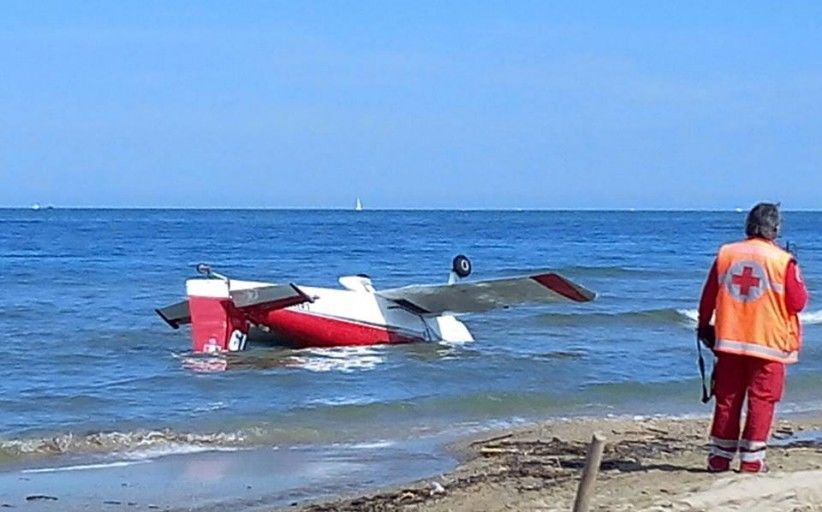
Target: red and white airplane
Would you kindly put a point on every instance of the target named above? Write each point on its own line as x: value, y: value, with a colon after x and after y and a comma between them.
x: 222, y: 311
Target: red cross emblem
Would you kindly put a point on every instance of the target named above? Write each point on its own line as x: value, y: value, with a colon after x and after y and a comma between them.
x: 745, y: 281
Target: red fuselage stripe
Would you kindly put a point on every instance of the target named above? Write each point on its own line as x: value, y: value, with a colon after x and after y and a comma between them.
x: 301, y: 329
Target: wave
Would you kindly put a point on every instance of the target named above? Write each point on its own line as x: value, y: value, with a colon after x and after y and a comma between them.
x: 597, y: 271
x: 135, y: 445
x: 82, y: 467
x: 638, y: 318
x: 808, y: 318
x: 647, y: 317
x: 145, y: 445
x: 603, y: 271
x: 319, y: 360
x: 811, y: 317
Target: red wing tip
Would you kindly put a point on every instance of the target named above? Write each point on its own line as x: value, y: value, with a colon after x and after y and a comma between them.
x: 564, y: 287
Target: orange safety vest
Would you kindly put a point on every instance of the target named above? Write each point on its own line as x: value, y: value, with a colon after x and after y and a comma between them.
x: 752, y: 317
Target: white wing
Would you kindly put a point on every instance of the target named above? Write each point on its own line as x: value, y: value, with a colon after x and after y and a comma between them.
x: 479, y: 296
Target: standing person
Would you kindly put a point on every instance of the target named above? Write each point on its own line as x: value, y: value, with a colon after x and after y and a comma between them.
x: 756, y: 291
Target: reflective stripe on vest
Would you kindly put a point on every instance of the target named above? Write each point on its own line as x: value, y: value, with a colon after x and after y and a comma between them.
x: 752, y: 317
x: 750, y: 349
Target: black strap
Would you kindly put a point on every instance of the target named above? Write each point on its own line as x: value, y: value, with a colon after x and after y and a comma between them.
x: 706, y: 395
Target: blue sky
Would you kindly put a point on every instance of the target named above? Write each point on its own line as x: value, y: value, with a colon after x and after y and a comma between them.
x: 411, y: 104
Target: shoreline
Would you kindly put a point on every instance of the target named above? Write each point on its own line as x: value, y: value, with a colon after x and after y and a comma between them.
x: 532, y: 466
x: 650, y: 464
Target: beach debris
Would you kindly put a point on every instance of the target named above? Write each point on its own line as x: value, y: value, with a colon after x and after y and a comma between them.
x: 783, y: 433
x: 494, y: 439
x: 41, y: 497
x: 437, y: 488
x: 493, y: 450
x: 527, y: 464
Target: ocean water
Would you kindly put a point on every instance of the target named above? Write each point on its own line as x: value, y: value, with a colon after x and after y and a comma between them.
x: 89, y: 370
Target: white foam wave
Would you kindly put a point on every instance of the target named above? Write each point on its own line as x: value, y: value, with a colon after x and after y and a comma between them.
x: 341, y: 359
x: 174, y: 449
x: 808, y: 318
x: 374, y: 445
x: 690, y: 314
x: 122, y: 442
x: 346, y: 400
x: 210, y: 407
x: 213, y: 364
x: 84, y: 467
x: 811, y: 317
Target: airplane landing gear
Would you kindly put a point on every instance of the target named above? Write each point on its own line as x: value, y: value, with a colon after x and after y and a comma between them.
x: 461, y: 266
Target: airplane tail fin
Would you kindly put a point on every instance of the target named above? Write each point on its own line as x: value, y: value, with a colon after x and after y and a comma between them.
x: 217, y: 325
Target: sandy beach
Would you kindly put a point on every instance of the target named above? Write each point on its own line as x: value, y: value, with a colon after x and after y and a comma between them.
x: 650, y: 464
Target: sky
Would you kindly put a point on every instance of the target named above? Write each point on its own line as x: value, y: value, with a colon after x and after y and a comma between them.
x: 422, y: 104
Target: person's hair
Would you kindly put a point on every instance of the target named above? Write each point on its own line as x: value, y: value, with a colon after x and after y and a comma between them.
x: 763, y: 221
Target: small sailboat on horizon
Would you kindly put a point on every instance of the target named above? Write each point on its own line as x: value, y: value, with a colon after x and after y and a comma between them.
x: 358, y: 205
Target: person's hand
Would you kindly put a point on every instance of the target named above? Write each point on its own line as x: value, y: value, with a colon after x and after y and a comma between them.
x: 707, y: 335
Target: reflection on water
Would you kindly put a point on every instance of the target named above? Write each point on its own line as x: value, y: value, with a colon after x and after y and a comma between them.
x: 337, y: 359
x: 334, y: 359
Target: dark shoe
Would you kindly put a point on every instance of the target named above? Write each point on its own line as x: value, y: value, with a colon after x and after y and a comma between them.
x: 717, y: 464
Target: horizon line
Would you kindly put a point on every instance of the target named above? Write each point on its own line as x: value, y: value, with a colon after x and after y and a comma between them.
x: 409, y: 209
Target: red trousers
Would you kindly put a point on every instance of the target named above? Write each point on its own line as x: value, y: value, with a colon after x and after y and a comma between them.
x: 763, y: 382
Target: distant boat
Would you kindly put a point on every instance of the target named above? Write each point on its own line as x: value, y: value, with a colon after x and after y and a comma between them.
x: 738, y: 210
x: 35, y: 206
x: 358, y: 206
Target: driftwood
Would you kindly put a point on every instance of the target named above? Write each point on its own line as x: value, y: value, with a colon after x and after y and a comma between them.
x: 589, y: 474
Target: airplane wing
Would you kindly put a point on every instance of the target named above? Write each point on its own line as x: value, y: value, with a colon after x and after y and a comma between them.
x: 274, y: 296
x: 479, y: 296
x: 175, y: 315
x: 243, y: 294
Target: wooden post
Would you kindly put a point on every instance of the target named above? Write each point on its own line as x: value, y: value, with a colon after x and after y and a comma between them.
x: 589, y: 474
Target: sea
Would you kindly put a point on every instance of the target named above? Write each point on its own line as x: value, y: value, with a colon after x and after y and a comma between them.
x: 92, y: 377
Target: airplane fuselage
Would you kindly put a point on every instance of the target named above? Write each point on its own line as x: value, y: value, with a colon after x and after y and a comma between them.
x: 353, y: 317
x: 222, y: 313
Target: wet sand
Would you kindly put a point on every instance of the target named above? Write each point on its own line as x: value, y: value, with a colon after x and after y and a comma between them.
x: 224, y: 480
x: 649, y: 464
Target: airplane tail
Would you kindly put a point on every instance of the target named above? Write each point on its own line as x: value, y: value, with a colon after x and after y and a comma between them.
x: 222, y: 310
x: 216, y: 324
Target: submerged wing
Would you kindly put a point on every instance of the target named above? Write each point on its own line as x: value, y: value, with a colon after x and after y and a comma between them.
x: 479, y: 296
x: 175, y: 315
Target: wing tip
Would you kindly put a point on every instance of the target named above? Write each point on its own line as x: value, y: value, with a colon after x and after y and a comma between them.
x: 171, y: 322
x: 564, y: 287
